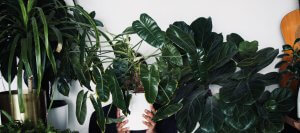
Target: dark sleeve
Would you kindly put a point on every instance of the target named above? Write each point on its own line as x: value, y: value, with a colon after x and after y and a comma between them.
x: 167, y: 125
x: 110, y: 128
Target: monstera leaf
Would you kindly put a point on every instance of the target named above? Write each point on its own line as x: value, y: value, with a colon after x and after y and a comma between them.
x: 149, y: 31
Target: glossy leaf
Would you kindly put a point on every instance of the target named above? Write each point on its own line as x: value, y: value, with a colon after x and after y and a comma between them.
x: 101, y: 89
x: 167, y: 111
x: 150, y: 81
x: 149, y: 31
x: 202, y: 28
x: 101, y: 120
x: 287, y: 47
x: 37, y: 54
x: 243, y: 118
x: 81, y: 107
x: 63, y: 87
x: 46, y: 38
x: 116, y: 92
x: 171, y: 54
x: 191, y: 111
x: 212, y: 118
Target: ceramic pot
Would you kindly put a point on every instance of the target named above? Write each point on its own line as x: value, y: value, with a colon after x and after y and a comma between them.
x: 58, y: 115
x: 137, y: 106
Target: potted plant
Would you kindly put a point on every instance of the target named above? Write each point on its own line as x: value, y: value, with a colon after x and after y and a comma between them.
x: 242, y: 104
x: 129, y: 72
x: 42, y: 38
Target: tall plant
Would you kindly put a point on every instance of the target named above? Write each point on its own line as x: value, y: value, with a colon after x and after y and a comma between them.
x: 43, y: 38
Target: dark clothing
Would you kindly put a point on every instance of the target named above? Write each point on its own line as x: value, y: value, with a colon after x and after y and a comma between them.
x: 165, y: 126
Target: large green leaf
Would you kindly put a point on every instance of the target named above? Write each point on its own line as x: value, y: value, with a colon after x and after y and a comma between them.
x: 150, y: 81
x: 182, y: 39
x: 116, y: 92
x: 220, y: 75
x: 202, y: 28
x: 81, y: 107
x: 242, y: 119
x: 149, y: 31
x: 167, y: 111
x: 282, y: 99
x: 46, y: 38
x: 37, y: 54
x: 171, y: 54
x: 63, y: 87
x: 248, y: 49
x: 101, y: 89
x: 101, y: 121
x: 212, y: 118
x: 191, y: 111
x: 224, y: 53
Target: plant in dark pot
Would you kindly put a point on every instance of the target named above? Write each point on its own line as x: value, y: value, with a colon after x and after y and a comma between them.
x: 243, y: 104
x: 42, y: 38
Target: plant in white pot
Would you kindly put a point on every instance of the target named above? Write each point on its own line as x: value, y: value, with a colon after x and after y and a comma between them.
x: 133, y: 83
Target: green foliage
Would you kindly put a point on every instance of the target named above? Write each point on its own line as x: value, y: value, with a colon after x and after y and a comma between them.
x: 29, y: 127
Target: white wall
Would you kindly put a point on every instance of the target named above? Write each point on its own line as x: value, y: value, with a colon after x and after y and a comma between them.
x: 252, y: 19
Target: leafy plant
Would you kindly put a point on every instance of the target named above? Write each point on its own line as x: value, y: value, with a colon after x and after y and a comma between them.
x: 243, y: 104
x: 290, y: 65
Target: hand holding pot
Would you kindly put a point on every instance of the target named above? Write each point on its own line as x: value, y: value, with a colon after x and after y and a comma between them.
x: 149, y: 123
x: 120, y: 126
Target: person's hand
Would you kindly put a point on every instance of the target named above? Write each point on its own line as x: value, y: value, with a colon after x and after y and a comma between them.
x: 120, y: 125
x: 149, y: 122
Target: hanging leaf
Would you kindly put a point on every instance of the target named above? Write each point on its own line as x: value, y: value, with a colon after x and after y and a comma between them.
x: 166, y: 111
x: 150, y: 81
x: 149, y: 31
x: 101, y: 121
x: 63, y: 87
x: 37, y: 54
x: 116, y: 92
x: 81, y: 107
x: 101, y: 89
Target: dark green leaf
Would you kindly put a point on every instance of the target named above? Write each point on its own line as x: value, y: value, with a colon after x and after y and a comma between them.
x: 279, y: 64
x: 166, y: 111
x: 248, y: 49
x: 191, y: 111
x: 37, y: 54
x: 117, y: 95
x: 102, y: 91
x: 150, y: 81
x: 202, y: 28
x: 283, y: 55
x: 171, y: 54
x: 243, y: 118
x: 24, y: 57
x: 287, y: 47
x: 101, y: 121
x: 24, y: 12
x: 297, y: 40
x: 63, y: 87
x: 11, y: 58
x: 81, y: 107
x: 212, y: 118
x: 149, y: 31
x: 114, y: 120
x: 234, y: 38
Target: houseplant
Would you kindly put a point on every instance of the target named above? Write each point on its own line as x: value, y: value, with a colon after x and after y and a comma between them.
x: 129, y: 71
x: 43, y: 37
x: 243, y: 104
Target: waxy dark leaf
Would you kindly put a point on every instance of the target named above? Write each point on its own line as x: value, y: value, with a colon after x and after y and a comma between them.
x: 101, y: 121
x: 63, y: 87
x: 81, y: 107
x: 150, y: 81
x: 167, y: 111
x: 192, y: 110
x: 149, y: 31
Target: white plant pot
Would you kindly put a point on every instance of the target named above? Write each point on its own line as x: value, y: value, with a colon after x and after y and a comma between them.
x: 137, y: 106
x: 58, y: 115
